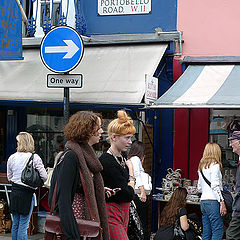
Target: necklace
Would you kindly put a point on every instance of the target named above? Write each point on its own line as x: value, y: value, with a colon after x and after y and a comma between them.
x: 122, y: 162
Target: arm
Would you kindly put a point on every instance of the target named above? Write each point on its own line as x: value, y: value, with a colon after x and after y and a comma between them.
x: 216, y: 181
x: 9, y: 169
x: 183, y: 219
x: 184, y: 223
x: 68, y: 177
x: 38, y: 164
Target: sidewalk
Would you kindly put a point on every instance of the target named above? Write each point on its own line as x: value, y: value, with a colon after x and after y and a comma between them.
x: 8, y: 236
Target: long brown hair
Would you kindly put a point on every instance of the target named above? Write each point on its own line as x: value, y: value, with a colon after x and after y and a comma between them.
x: 137, y: 149
x: 211, y: 154
x: 170, y: 211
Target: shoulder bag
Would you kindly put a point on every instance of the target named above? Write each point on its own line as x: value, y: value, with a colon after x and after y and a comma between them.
x: 87, y: 228
x: 135, y: 228
x: 227, y: 196
x: 30, y: 175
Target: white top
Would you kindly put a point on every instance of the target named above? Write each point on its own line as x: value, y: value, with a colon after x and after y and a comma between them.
x: 138, y: 169
x: 17, y: 162
x: 214, y: 175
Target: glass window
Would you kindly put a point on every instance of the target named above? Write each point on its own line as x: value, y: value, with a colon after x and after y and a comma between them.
x: 46, y: 127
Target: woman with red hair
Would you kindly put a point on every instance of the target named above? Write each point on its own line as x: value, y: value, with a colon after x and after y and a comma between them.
x: 118, y: 174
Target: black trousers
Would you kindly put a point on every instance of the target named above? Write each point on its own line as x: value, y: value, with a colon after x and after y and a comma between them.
x: 142, y: 210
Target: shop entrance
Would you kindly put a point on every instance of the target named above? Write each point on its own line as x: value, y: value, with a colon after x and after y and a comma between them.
x: 2, y: 135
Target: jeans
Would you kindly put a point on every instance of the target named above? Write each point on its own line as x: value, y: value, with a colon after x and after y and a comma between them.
x: 20, y: 224
x: 212, y: 220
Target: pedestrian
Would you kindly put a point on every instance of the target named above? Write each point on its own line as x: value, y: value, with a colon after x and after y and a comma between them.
x: 212, y: 203
x: 22, y: 197
x: 233, y: 231
x: 118, y: 174
x: 81, y: 132
x: 174, y: 209
x: 136, y: 155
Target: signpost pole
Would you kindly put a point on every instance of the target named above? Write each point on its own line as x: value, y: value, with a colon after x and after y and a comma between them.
x: 66, y: 105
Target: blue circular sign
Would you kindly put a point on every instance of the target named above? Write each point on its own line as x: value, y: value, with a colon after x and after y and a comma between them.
x: 61, y: 49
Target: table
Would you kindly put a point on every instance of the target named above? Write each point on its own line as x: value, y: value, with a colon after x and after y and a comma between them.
x: 191, y: 207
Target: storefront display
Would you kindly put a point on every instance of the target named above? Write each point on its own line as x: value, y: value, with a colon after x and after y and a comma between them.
x: 172, y: 181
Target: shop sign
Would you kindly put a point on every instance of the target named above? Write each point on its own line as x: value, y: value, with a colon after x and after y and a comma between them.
x: 121, y: 7
x: 151, y: 92
x: 64, y: 80
x: 10, y: 31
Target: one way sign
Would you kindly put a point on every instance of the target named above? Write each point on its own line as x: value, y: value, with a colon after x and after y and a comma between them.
x: 61, y: 49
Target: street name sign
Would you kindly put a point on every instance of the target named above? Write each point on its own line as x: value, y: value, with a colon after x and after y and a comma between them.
x: 61, y: 49
x: 64, y: 80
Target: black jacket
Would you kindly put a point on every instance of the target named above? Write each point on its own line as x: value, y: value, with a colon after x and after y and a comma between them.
x: 68, y: 183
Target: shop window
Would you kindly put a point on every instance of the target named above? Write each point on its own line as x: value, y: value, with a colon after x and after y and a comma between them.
x: 222, y: 124
x: 46, y: 127
x: 46, y: 12
x: 2, y: 136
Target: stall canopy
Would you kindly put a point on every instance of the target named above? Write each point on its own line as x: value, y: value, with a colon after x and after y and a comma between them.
x: 111, y: 74
x: 204, y: 86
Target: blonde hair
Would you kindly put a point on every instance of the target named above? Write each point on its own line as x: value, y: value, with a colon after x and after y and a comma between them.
x: 122, y: 125
x: 26, y: 142
x: 211, y: 154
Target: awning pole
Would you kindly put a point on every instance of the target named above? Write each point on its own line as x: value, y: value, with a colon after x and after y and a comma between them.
x: 24, y: 17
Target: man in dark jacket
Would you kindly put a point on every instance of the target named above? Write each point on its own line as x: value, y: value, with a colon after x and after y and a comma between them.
x: 233, y: 231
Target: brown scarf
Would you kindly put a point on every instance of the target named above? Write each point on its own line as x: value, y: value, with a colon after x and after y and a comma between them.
x: 90, y: 164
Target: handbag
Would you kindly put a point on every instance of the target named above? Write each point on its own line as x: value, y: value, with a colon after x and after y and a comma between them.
x: 227, y: 196
x: 87, y: 228
x: 30, y: 175
x: 135, y: 229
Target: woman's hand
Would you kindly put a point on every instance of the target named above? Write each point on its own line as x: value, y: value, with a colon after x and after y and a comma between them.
x: 143, y: 196
x: 223, y: 210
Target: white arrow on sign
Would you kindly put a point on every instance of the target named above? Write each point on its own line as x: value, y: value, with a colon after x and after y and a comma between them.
x: 70, y: 49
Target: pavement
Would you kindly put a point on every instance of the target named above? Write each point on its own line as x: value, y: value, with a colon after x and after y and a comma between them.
x: 8, y: 236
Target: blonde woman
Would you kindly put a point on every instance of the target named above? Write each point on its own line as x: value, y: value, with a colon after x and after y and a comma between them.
x: 212, y: 203
x: 118, y: 174
x: 22, y: 199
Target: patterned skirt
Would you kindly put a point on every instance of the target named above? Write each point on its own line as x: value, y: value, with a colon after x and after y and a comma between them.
x: 118, y: 217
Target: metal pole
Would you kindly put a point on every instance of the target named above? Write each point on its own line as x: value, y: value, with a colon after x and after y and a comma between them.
x: 25, y: 20
x: 66, y: 105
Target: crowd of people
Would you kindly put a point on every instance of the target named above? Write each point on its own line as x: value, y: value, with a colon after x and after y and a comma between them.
x: 113, y: 181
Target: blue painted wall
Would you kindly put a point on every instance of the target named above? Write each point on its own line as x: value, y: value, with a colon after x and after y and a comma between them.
x: 163, y: 15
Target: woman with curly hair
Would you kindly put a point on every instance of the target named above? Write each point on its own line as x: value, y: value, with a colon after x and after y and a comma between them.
x: 118, y: 174
x: 212, y: 203
x: 81, y: 132
x: 175, y: 208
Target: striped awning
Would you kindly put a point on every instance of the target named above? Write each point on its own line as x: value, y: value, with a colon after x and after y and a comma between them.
x: 204, y: 86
